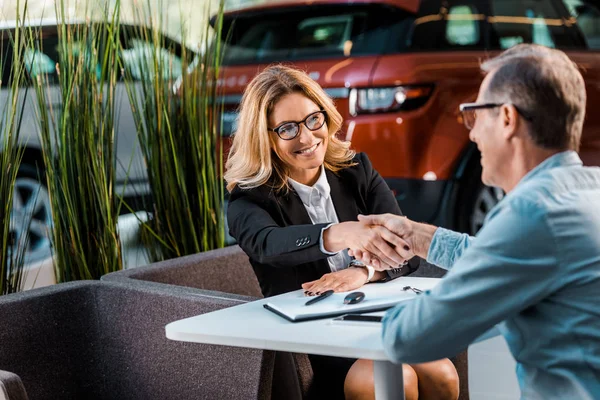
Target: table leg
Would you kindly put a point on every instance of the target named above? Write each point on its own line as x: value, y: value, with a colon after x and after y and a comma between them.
x: 389, y: 382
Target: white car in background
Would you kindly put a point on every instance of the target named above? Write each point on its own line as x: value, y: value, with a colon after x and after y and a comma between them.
x: 31, y: 195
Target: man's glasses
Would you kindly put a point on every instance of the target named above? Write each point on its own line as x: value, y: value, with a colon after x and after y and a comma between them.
x: 469, y: 112
x: 289, y: 130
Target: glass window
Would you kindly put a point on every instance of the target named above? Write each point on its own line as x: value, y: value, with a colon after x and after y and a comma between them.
x: 588, y: 20
x: 462, y: 28
x: 42, y: 58
x: 325, y: 31
x: 458, y: 26
x: 38, y: 63
x: 138, y: 58
x: 528, y: 21
x: 5, y: 61
x: 83, y: 49
x: 492, y: 24
x: 312, y: 32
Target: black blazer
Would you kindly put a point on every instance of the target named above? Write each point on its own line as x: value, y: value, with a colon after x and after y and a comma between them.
x: 276, y: 232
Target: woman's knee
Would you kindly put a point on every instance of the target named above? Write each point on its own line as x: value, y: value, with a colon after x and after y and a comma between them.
x: 449, y: 381
x: 438, y: 380
x: 360, y: 383
x: 411, y: 382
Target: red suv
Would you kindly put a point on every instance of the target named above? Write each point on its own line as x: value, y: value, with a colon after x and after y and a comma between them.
x: 398, y: 69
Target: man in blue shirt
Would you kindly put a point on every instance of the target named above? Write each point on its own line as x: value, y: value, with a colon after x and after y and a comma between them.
x: 534, y: 268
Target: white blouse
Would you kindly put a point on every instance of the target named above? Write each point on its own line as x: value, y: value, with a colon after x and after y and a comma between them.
x: 318, y: 204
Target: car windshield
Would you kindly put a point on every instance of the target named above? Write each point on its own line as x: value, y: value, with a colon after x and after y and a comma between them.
x: 310, y: 32
x: 138, y: 56
x: 140, y: 59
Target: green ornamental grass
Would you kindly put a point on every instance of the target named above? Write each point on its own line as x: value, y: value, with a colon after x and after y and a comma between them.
x: 12, y: 248
x: 178, y: 125
x: 78, y: 141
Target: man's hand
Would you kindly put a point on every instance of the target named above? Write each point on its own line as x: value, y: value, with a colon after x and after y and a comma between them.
x: 416, y: 236
x: 339, y: 281
x: 373, y: 239
x: 399, y: 225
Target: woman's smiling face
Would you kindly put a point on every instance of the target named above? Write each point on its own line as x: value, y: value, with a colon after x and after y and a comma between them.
x: 305, y: 153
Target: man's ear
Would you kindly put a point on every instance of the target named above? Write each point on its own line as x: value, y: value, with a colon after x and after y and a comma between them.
x: 510, y: 120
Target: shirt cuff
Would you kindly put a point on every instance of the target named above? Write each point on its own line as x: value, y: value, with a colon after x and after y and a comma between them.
x: 321, y: 246
x: 441, y: 249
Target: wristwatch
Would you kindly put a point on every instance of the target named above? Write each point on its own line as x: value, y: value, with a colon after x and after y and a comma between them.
x: 358, y: 264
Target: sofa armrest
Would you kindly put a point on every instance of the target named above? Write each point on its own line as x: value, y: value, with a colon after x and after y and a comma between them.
x: 11, y: 387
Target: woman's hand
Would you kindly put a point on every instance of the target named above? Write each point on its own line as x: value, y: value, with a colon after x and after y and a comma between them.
x: 417, y: 236
x: 339, y: 281
x: 376, y: 240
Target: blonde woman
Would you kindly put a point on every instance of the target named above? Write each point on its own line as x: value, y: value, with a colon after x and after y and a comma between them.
x: 296, y: 191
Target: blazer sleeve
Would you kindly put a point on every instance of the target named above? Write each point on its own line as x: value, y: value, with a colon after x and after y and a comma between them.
x: 381, y: 200
x: 264, y: 240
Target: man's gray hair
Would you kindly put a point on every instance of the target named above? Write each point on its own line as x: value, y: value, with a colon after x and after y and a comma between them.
x: 546, y: 86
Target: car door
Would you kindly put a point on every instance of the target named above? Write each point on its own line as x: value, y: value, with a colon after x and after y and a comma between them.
x: 555, y: 24
x: 585, y: 15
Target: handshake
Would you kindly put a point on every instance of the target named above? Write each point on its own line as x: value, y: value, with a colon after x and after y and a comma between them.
x: 383, y: 241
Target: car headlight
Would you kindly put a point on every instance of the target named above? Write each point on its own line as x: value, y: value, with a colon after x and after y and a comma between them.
x: 388, y: 99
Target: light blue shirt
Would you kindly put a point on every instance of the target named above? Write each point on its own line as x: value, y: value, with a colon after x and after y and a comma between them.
x: 534, y: 269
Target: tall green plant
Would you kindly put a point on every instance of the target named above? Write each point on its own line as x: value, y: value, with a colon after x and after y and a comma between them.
x: 78, y: 139
x: 178, y: 132
x: 12, y: 248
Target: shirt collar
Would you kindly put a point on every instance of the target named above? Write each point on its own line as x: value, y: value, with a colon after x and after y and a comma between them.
x: 562, y: 159
x: 320, y: 188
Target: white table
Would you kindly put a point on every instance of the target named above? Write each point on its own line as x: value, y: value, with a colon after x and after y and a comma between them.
x: 251, y: 325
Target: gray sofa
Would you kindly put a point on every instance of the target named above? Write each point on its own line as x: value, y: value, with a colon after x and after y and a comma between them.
x: 229, y: 270
x: 106, y: 340
x: 226, y: 270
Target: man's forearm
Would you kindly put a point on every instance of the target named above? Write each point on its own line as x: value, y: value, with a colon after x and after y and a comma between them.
x: 422, y: 235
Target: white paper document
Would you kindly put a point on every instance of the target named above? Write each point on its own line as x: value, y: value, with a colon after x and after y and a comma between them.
x: 378, y: 296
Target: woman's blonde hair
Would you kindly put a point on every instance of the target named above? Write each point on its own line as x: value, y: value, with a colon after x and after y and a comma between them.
x: 252, y: 162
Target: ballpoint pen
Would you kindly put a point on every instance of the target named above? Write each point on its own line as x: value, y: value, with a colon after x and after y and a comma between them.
x: 319, y: 297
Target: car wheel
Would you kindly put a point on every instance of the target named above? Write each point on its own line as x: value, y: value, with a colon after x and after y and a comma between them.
x: 484, y: 200
x: 31, y: 218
